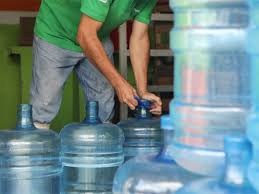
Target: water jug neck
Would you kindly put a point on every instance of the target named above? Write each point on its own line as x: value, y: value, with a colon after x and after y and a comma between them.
x: 164, y: 153
x: 24, y: 117
x: 238, y: 155
x: 92, y: 109
x: 167, y: 128
x: 143, y: 110
x: 143, y: 113
x: 168, y: 135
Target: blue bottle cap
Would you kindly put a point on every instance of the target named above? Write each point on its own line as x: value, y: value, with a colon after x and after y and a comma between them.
x: 236, y: 142
x: 146, y: 104
x: 166, y: 123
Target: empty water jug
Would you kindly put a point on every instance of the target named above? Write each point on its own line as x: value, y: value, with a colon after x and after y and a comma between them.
x: 234, y: 180
x: 91, y: 153
x: 253, y: 135
x: 142, y: 133
x: 29, y: 158
x: 253, y: 121
x: 212, y: 74
x: 152, y: 174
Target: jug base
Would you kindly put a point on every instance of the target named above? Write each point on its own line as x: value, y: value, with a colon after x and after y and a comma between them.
x: 203, y: 161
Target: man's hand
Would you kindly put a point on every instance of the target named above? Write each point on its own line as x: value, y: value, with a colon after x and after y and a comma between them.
x: 157, y: 103
x: 139, y: 54
x: 126, y: 94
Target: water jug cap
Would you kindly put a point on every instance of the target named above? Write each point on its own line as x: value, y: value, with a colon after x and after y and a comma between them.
x: 236, y: 142
x: 142, y: 110
x: 166, y: 123
x: 142, y: 103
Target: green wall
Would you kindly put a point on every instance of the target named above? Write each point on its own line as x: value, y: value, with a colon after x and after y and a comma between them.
x: 9, y: 77
x: 15, y: 78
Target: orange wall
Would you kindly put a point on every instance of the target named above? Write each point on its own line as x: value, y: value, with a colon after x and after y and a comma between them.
x: 19, y: 5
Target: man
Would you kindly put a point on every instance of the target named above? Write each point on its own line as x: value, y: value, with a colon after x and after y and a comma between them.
x: 74, y: 35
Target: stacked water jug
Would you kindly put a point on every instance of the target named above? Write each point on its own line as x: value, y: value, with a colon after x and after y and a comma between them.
x: 142, y: 133
x: 253, y: 121
x: 234, y: 180
x: 153, y: 173
x: 91, y: 153
x: 29, y: 158
x: 211, y: 80
x: 209, y: 110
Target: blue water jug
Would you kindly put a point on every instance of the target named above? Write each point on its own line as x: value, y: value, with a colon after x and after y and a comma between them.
x: 153, y: 174
x: 253, y: 121
x: 234, y: 180
x: 91, y: 153
x: 253, y: 135
x: 212, y: 74
x: 142, y: 133
x: 29, y: 158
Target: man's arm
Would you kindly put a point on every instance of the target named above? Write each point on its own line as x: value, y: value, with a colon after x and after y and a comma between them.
x: 88, y: 39
x: 140, y: 54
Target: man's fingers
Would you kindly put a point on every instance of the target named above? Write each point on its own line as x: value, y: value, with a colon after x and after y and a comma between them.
x: 131, y: 102
x: 156, y: 112
x: 156, y: 99
x: 153, y: 98
x: 131, y: 106
x: 135, y: 93
x: 156, y: 109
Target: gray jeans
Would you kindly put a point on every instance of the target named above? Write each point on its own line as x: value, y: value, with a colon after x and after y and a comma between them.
x: 51, y: 68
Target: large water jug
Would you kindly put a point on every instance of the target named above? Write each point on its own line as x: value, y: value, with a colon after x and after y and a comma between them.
x: 253, y: 121
x: 142, y: 133
x: 212, y: 74
x: 153, y: 174
x: 91, y: 154
x: 29, y: 158
x: 253, y: 135
x: 234, y: 180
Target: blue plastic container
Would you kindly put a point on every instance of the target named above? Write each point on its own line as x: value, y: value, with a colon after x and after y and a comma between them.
x: 253, y: 135
x: 234, y: 180
x: 253, y: 121
x: 153, y: 174
x: 91, y: 154
x: 29, y: 158
x: 142, y: 133
x: 212, y: 75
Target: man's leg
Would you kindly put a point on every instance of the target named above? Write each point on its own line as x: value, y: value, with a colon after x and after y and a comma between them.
x: 51, y: 68
x: 96, y: 86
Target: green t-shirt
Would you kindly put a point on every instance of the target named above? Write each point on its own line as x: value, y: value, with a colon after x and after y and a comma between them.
x: 58, y: 20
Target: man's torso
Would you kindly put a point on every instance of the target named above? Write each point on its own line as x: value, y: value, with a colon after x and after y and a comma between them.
x: 58, y: 20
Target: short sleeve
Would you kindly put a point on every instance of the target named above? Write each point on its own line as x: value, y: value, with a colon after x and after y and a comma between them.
x: 96, y: 9
x: 145, y: 14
